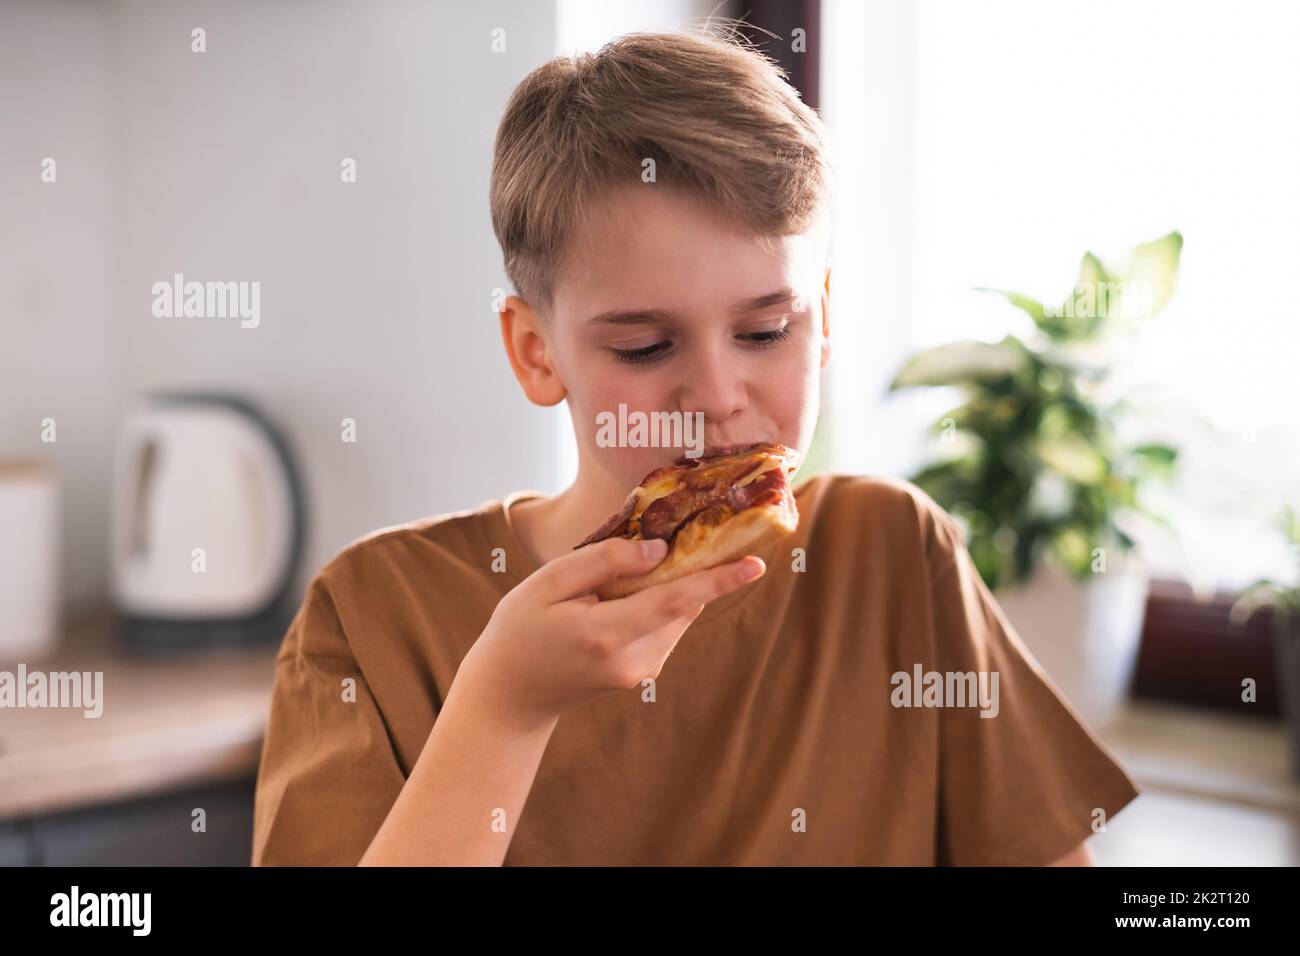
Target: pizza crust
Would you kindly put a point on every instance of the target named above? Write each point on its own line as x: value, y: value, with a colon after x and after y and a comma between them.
x: 699, y: 545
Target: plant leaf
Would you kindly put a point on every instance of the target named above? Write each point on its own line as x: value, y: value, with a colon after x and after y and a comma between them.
x: 1142, y: 283
x: 1154, y: 268
x: 1050, y: 322
x: 1074, y: 458
x: 1156, y: 459
x: 959, y: 363
x: 1031, y: 307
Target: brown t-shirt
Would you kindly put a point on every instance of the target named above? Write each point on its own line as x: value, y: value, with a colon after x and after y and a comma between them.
x: 775, y: 733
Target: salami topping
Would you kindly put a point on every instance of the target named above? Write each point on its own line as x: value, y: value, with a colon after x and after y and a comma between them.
x: 714, y: 486
x: 667, y: 514
x: 615, y: 527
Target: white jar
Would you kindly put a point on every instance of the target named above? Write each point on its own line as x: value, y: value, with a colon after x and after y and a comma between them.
x: 29, y: 559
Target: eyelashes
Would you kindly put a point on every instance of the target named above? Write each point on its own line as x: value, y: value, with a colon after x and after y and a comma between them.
x: 652, y: 353
x: 639, y: 356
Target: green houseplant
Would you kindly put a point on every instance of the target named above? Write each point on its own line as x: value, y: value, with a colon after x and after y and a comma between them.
x: 1031, y: 460
x: 1033, y: 464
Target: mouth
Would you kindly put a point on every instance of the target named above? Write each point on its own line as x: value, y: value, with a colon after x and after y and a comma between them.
x: 713, y: 451
x: 726, y: 448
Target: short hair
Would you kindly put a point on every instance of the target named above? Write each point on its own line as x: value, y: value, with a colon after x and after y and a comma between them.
x: 715, y: 114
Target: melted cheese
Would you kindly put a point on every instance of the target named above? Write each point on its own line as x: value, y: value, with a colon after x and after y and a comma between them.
x: 646, y: 494
x: 767, y: 465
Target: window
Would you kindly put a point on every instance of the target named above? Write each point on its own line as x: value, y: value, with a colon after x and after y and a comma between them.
x: 991, y: 144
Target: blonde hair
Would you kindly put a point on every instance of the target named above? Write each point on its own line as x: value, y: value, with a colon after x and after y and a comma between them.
x: 715, y: 114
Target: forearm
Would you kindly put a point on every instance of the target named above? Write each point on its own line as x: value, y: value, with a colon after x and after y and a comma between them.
x: 465, y: 794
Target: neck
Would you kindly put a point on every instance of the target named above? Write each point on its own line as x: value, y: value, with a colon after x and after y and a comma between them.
x: 550, y: 527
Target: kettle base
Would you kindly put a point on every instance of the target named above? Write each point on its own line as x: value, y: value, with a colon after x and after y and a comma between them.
x: 164, y: 635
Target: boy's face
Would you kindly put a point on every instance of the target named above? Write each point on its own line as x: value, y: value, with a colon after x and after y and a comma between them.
x: 658, y: 277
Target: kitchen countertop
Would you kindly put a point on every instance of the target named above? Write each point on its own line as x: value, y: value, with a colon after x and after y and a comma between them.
x: 1207, y: 754
x: 1218, y: 790
x: 168, y: 722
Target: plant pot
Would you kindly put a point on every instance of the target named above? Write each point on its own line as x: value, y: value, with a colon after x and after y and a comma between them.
x: 1084, y: 635
x: 1286, y: 642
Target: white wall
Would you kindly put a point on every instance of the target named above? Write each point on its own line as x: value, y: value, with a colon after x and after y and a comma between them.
x: 991, y: 144
x: 60, y: 341
x: 868, y: 91
x: 1141, y: 118
x: 376, y: 297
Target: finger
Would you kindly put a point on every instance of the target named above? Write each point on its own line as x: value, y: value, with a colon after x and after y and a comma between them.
x: 582, y: 570
x: 654, y: 607
x: 655, y: 648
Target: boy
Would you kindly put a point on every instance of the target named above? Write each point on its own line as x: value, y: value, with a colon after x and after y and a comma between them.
x: 451, y: 692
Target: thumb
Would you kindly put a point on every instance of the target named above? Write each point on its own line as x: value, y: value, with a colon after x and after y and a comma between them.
x: 588, y: 567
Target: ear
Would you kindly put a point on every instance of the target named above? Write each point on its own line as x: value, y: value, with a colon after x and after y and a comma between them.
x: 826, y: 319
x: 529, y: 353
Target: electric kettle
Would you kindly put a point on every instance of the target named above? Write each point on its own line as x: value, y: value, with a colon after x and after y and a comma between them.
x: 208, y: 524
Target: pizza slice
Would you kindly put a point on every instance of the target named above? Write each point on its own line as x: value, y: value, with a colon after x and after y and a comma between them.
x: 719, y: 507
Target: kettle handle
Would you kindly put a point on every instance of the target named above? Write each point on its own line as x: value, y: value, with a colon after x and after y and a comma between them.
x: 144, y: 469
x: 137, y: 468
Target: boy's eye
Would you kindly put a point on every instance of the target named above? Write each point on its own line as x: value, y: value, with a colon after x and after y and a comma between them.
x: 651, y: 353
x: 647, y: 354
x: 769, y: 337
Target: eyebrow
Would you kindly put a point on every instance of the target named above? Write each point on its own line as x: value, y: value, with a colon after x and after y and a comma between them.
x: 641, y: 316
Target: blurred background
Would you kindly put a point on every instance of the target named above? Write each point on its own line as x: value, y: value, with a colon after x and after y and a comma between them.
x: 1062, y: 236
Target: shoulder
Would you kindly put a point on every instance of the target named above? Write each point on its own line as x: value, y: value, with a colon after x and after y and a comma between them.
x: 439, y: 544
x: 375, y: 598
x: 877, y: 512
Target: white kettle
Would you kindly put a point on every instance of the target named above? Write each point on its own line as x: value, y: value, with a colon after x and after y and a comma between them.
x: 207, y: 524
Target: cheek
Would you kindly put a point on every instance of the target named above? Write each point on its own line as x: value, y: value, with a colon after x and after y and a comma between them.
x: 802, y: 361
x: 794, y: 405
x: 596, y: 384
x: 608, y: 389
x: 604, y: 392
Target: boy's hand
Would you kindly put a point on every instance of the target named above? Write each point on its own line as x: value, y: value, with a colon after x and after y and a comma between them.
x: 551, y: 644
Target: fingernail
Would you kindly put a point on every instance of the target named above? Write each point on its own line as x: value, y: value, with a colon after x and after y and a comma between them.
x: 654, y: 547
x: 751, y: 570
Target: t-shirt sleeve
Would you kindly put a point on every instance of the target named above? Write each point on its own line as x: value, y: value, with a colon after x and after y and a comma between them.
x: 328, y: 773
x: 1023, y: 787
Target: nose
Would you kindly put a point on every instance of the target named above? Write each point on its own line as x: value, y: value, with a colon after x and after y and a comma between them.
x: 714, y: 385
